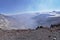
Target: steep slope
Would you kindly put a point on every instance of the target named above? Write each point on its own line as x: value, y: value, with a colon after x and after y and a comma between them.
x: 7, y: 22
x: 3, y: 22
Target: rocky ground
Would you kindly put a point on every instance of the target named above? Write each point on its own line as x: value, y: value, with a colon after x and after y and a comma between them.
x: 39, y: 34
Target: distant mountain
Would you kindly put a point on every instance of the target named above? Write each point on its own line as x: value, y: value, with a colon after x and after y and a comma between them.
x: 53, y: 20
x: 28, y: 21
x: 47, y: 18
x: 25, y: 21
x: 22, y: 21
x: 41, y: 19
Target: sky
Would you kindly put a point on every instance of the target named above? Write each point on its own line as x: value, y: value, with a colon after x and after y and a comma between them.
x: 18, y: 6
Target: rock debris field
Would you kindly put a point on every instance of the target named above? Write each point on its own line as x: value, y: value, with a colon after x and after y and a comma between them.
x: 39, y: 34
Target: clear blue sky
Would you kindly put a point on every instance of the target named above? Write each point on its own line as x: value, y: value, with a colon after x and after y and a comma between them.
x: 15, y: 6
